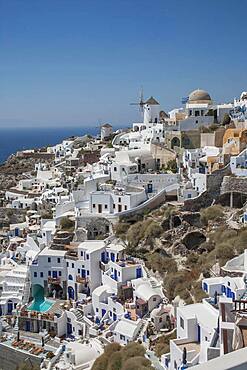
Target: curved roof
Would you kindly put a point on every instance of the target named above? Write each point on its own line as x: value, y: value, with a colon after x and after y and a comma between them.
x: 199, y: 96
x: 84, y: 354
x: 145, y: 291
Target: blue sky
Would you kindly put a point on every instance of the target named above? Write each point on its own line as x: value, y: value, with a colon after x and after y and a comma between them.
x: 78, y: 62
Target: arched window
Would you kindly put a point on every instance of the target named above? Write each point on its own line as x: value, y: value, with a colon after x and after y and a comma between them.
x: 70, y: 277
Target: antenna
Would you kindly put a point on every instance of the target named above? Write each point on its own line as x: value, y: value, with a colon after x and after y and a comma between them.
x: 141, y: 101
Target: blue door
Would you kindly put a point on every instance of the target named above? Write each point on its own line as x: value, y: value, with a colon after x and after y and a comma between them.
x: 103, y: 312
x: 54, y: 274
x: 27, y: 325
x: 115, y: 274
x: 10, y: 307
x: 150, y: 188
x: 112, y: 257
x: 83, y: 273
x: 69, y: 328
x: 16, y: 231
x: 228, y: 292
x: 138, y: 272
x: 114, y: 317
x: 71, y: 292
x: 198, y: 333
x: 103, y: 257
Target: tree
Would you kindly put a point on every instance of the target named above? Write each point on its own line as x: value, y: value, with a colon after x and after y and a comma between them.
x: 226, y: 119
x: 172, y: 165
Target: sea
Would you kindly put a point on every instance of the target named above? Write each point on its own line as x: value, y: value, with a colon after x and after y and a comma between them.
x: 15, y: 139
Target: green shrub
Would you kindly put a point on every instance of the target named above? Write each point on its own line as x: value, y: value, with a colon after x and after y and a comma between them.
x: 213, y: 213
x: 153, y: 230
x: 67, y: 224
x: 224, y: 252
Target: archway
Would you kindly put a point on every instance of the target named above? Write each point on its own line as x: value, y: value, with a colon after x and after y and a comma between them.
x: 58, y: 290
x: 175, y: 142
x: 71, y: 293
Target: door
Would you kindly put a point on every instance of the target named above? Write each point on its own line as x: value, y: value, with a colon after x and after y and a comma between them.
x: 69, y: 328
x: 114, y: 317
x: 115, y: 274
x: 27, y: 325
x: 10, y: 307
x: 83, y: 273
x: 198, y: 333
x: 228, y: 292
x: 120, y: 208
x: 103, y: 312
x: 71, y: 292
x: 138, y: 272
x: 99, y: 208
x: 54, y: 274
x: 150, y: 188
x: 112, y: 257
x: 103, y: 258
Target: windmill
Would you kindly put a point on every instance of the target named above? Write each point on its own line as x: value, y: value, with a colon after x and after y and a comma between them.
x: 141, y: 102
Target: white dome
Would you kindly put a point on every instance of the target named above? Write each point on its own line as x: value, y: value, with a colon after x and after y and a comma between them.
x: 83, y: 353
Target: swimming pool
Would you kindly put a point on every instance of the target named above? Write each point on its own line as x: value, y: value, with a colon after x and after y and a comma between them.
x: 40, y: 306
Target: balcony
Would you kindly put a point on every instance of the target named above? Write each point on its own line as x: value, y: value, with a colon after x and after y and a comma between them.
x: 81, y: 280
x: 54, y: 280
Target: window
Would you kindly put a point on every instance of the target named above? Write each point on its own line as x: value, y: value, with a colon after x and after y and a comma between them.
x: 49, y: 259
x: 122, y: 337
x: 119, y: 200
x: 67, y: 264
x: 125, y: 207
x: 41, y: 274
x: 154, y: 299
x: 97, y: 310
x: 87, y: 272
x: 94, y: 206
x: 58, y: 260
x: 59, y: 273
x: 72, y: 265
x: 49, y: 273
x: 70, y: 277
x: 106, y: 206
x: 115, y: 169
x: 182, y: 322
x: 81, y: 254
x: 114, y: 205
x: 35, y: 274
x: 78, y: 271
x: 87, y: 256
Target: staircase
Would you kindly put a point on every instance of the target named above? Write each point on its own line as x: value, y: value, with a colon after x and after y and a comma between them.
x: 78, y: 314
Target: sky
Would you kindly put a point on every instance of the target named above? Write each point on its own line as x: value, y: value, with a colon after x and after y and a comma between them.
x: 82, y: 62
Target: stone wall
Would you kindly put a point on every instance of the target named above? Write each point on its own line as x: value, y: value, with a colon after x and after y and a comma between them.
x: 213, y: 184
x: 10, y: 358
x: 233, y: 183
